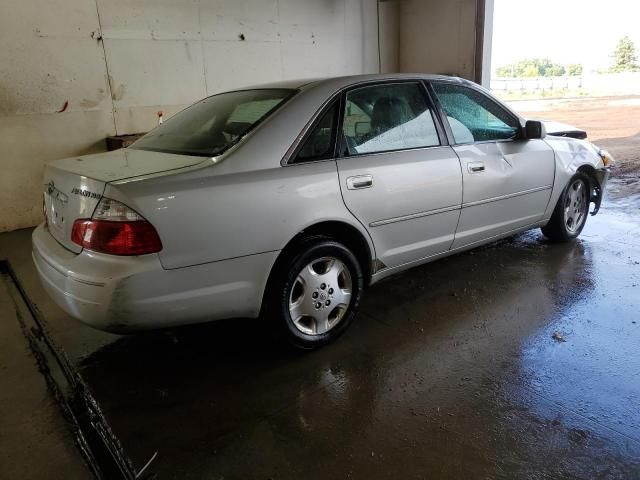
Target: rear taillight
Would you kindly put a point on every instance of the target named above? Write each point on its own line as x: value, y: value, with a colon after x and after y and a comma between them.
x: 117, y: 230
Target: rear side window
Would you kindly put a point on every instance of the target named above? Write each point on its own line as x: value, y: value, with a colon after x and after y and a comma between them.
x: 320, y: 143
x: 213, y: 125
x: 388, y: 117
x: 474, y: 117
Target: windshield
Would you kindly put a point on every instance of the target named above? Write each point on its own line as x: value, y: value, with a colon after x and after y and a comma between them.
x: 212, y: 125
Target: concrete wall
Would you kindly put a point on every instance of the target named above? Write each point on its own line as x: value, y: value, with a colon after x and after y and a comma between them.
x: 389, y: 35
x: 438, y: 37
x: 75, y: 71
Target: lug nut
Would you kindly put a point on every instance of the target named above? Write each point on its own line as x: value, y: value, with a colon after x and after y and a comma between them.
x: 331, y: 291
x: 323, y: 286
x: 327, y: 303
x: 314, y: 295
x: 318, y: 305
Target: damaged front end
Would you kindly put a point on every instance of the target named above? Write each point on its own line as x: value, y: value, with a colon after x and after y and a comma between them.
x: 601, y: 177
x: 596, y: 196
x: 558, y: 129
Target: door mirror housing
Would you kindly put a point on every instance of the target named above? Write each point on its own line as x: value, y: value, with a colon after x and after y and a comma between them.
x: 534, y: 129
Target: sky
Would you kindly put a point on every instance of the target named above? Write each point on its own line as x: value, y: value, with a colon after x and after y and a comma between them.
x: 565, y: 31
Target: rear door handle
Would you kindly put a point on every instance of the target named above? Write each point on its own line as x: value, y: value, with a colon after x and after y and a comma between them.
x: 359, y: 181
x: 475, y: 167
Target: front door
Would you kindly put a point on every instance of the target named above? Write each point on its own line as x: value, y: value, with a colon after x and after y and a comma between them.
x: 396, y: 177
x: 507, y: 180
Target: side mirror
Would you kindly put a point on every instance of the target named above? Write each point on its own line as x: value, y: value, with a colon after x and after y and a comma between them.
x: 534, y: 129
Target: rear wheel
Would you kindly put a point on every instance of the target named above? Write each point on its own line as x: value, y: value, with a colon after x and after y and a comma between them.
x: 317, y: 293
x: 571, y: 211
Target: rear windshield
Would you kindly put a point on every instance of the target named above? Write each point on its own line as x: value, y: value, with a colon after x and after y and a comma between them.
x: 211, y: 126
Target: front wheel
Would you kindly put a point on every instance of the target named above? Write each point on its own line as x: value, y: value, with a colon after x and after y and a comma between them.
x: 318, y: 293
x: 571, y: 211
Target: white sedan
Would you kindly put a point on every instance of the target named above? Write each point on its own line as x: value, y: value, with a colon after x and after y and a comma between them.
x: 287, y: 200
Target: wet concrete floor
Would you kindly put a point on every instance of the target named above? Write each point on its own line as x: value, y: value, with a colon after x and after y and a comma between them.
x: 516, y: 360
x: 34, y: 437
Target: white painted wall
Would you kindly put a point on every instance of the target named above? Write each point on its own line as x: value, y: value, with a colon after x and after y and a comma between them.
x: 111, y: 65
x: 115, y: 63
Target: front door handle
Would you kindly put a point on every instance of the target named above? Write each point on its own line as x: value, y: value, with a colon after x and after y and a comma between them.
x: 359, y: 181
x: 475, y: 167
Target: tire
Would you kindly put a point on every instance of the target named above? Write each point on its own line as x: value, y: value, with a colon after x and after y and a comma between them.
x: 316, y: 294
x: 571, y: 212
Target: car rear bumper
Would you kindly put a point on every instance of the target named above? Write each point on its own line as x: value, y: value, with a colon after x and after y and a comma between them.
x: 124, y: 294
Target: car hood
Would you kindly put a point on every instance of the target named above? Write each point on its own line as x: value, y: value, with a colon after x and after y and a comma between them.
x: 559, y: 129
x: 124, y: 163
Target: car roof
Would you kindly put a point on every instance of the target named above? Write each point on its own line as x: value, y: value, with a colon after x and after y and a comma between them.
x: 345, y: 81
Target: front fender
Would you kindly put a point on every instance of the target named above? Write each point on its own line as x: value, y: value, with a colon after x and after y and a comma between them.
x: 572, y: 155
x: 602, y: 176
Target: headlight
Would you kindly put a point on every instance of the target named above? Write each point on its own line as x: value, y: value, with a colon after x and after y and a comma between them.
x: 607, y: 158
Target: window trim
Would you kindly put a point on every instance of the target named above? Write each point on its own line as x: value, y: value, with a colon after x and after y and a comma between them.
x: 311, y: 128
x: 341, y: 94
x: 287, y: 159
x: 443, y: 116
x: 440, y: 132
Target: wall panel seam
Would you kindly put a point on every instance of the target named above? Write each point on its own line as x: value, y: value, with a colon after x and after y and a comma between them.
x: 106, y: 66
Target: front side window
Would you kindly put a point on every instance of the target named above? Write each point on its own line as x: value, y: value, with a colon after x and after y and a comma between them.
x: 388, y: 117
x: 213, y: 125
x: 474, y: 117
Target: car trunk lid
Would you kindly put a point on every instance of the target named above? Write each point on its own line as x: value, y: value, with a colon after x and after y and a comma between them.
x: 74, y: 186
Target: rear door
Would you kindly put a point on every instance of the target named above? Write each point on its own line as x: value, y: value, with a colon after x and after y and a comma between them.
x: 397, y: 177
x: 507, y: 180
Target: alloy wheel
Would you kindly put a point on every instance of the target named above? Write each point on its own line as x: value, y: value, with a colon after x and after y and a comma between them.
x: 575, y: 206
x: 320, y: 296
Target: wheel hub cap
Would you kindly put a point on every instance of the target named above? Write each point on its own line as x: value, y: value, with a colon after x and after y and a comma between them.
x: 320, y: 296
x: 575, y: 207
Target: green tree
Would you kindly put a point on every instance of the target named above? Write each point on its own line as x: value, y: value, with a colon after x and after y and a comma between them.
x: 505, y: 71
x: 554, y: 71
x: 543, y: 65
x: 529, y: 71
x: 531, y: 67
x: 625, y: 58
x: 574, y: 69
